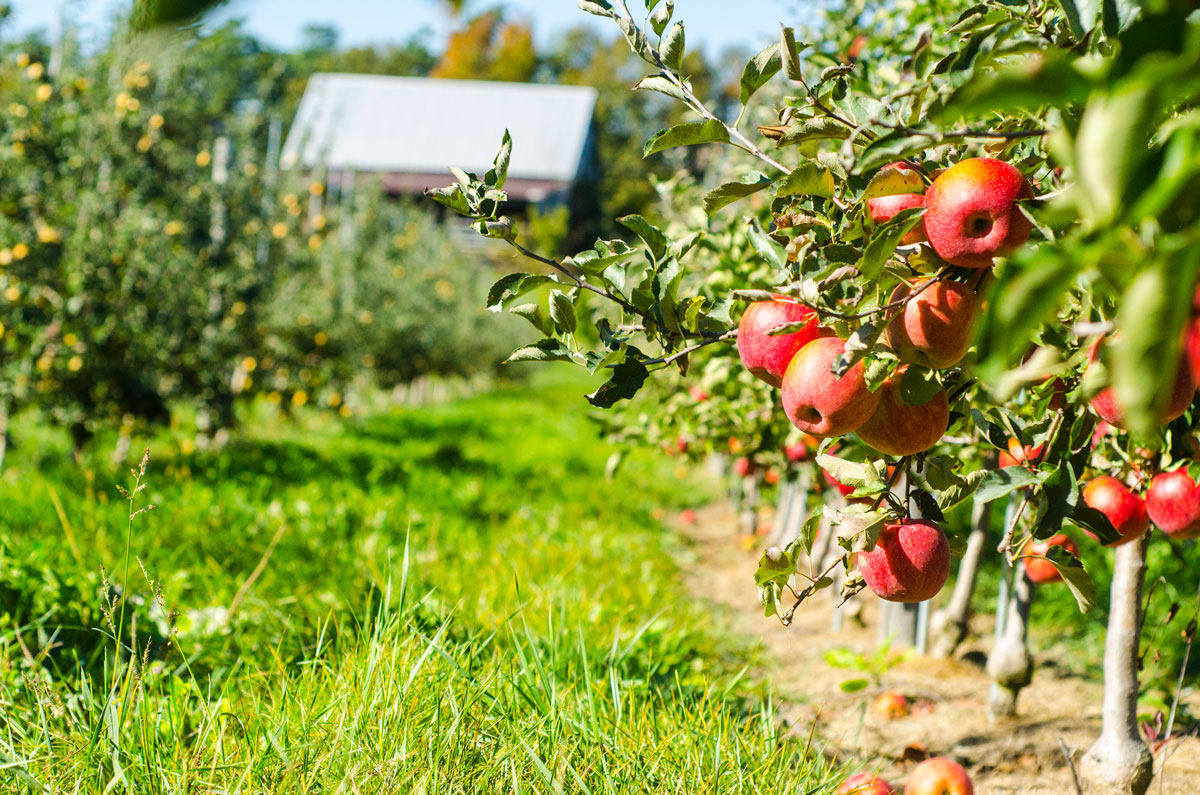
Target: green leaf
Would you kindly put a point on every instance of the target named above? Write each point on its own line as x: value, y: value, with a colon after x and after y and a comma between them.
x: 671, y: 47
x: 498, y: 174
x: 1029, y: 83
x: 919, y: 385
x: 851, y: 474
x: 959, y: 491
x: 452, y: 197
x: 600, y: 8
x: 513, y: 286
x: 767, y: 248
x: 1095, y: 521
x: 790, y: 54
x: 893, y: 182
x: 818, y: 128
x: 853, y: 685
x: 1112, y: 143
x: 662, y: 85
x: 605, y: 254
x: 148, y: 14
x: 547, y: 350
x: 650, y: 234
x: 724, y: 195
x: 807, y: 179
x: 562, y: 312
x: 1145, y: 360
x: 1059, y: 496
x: 776, y: 565
x: 759, y: 70
x: 534, y: 314
x: 690, y: 134
x: 885, y: 239
x: 1081, y: 15
x: 624, y: 382
x: 1075, y: 576
x: 999, y: 483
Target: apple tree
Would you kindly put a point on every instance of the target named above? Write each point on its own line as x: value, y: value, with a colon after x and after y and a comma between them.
x: 982, y: 220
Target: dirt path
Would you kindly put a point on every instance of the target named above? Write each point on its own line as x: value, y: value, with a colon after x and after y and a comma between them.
x: 949, y: 697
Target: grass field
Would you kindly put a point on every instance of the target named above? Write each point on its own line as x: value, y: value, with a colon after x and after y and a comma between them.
x: 439, y: 600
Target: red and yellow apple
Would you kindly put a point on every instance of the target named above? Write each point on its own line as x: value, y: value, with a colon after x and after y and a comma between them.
x: 934, y: 327
x: 909, y: 563
x: 890, y: 705
x: 765, y: 356
x: 884, y: 208
x: 819, y: 402
x: 1020, y: 456
x: 899, y: 429
x: 939, y: 776
x: 971, y: 212
x: 1173, y: 504
x: 744, y: 467
x: 1124, y: 509
x: 1040, y: 570
x: 865, y: 784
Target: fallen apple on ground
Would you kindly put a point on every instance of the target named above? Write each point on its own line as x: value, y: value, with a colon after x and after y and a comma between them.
x: 939, y: 776
x: 865, y: 784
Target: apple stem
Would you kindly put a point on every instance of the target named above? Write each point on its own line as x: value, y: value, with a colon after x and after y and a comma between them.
x: 1010, y: 663
x: 949, y: 625
x: 1119, y: 761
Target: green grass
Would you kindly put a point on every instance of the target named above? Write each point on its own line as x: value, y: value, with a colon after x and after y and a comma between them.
x: 445, y: 600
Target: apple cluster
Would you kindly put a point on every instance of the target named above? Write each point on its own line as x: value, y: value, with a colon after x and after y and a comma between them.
x: 971, y: 215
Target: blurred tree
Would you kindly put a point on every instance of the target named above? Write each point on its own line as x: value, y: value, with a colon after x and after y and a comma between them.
x: 488, y: 48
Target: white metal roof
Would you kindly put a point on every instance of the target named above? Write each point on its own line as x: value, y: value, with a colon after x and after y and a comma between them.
x: 421, y: 125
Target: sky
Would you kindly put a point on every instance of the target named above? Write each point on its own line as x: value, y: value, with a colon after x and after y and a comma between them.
x: 710, y: 23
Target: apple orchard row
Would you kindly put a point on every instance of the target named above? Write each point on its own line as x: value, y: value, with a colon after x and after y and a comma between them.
x: 971, y: 215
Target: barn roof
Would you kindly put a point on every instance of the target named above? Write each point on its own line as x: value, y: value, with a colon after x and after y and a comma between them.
x: 416, y: 125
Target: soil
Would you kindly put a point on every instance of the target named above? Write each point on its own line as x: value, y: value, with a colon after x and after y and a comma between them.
x: 948, y: 698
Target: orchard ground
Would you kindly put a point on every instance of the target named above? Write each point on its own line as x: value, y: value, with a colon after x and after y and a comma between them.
x: 451, y: 599
x: 948, y: 698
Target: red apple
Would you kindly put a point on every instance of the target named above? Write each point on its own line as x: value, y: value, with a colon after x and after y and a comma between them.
x: 1124, y: 509
x: 771, y: 477
x: 843, y: 489
x: 698, y: 394
x: 865, y: 784
x: 939, y: 776
x: 681, y: 444
x: 1040, y: 570
x: 884, y: 208
x: 899, y: 429
x: 687, y: 517
x: 796, y: 452
x: 1020, y: 456
x: 743, y: 467
x: 767, y: 357
x: 935, y: 327
x: 890, y: 705
x: 1173, y: 504
x: 1182, y: 391
x: 818, y: 402
x: 971, y: 214
x: 910, y: 562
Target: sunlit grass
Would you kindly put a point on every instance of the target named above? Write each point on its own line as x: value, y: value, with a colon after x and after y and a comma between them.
x: 445, y: 600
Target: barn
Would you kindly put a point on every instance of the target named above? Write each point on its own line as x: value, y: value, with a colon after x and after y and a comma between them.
x: 407, y: 131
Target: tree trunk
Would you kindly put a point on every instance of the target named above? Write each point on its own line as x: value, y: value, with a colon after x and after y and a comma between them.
x: 949, y: 625
x: 1010, y: 663
x: 1120, y: 762
x: 748, y: 515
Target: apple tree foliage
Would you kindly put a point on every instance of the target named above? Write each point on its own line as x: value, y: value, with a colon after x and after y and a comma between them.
x: 1094, y: 103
